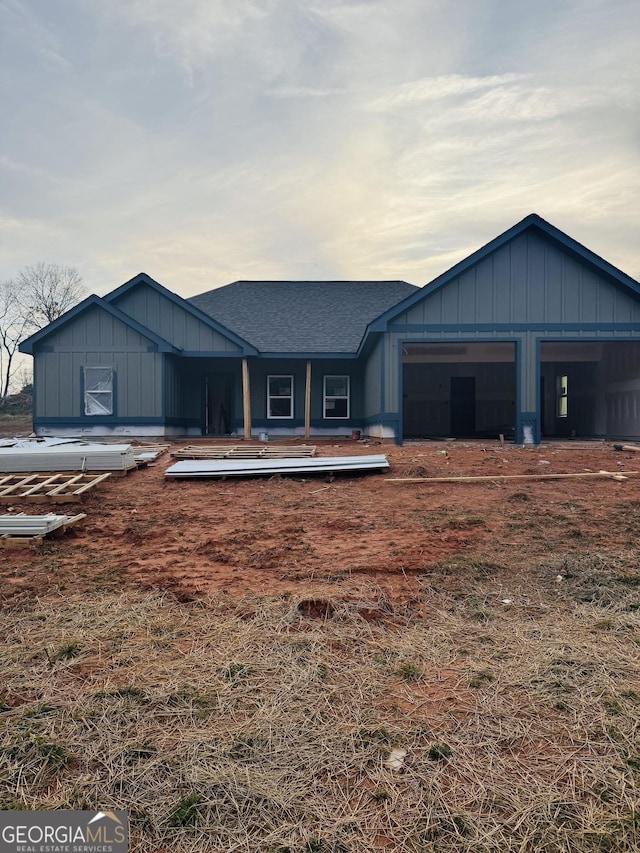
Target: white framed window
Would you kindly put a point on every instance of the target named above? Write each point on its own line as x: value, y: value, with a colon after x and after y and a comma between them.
x: 336, y: 397
x: 279, y: 396
x: 562, y: 396
x: 98, y: 390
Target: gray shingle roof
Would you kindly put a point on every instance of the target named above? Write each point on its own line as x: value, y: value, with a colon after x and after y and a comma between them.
x: 301, y: 316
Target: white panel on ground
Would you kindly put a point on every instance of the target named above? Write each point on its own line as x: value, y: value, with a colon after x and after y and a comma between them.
x: 256, y: 467
x: 27, y: 456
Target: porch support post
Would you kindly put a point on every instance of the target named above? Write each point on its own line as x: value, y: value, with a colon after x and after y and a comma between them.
x: 246, y: 399
x: 307, y: 403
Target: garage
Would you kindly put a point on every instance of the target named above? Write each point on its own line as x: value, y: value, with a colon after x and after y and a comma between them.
x: 459, y: 390
x: 590, y: 389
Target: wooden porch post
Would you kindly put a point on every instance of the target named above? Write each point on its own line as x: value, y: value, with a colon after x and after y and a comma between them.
x: 307, y: 403
x: 246, y: 399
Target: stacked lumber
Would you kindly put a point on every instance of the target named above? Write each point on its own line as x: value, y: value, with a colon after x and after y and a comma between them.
x: 144, y: 453
x: 20, y: 530
x: 245, y: 451
x: 258, y: 467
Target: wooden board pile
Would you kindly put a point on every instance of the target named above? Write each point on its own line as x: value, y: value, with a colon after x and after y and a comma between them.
x: 242, y: 451
x: 145, y: 453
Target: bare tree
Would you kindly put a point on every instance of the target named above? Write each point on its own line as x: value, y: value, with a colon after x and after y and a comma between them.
x: 48, y: 290
x: 14, y: 325
x: 37, y: 296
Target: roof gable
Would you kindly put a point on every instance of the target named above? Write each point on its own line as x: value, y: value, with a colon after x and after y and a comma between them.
x: 302, y: 317
x: 120, y: 294
x: 532, y: 224
x: 28, y: 345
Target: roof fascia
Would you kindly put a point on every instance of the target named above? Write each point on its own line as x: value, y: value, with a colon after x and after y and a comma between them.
x: 533, y: 221
x: 368, y: 340
x: 143, y: 278
x: 309, y: 355
x: 27, y: 346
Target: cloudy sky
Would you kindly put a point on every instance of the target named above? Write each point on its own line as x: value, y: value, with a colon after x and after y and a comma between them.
x: 204, y: 141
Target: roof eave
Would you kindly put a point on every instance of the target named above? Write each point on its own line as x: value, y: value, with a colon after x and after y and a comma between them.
x: 311, y: 356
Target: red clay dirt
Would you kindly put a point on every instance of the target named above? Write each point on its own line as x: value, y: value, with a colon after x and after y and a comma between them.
x: 316, y: 536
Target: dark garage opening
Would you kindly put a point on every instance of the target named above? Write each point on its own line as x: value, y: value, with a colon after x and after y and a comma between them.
x: 590, y: 389
x: 458, y: 390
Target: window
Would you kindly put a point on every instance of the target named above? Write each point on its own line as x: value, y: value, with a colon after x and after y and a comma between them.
x: 562, y: 396
x: 98, y: 390
x: 336, y: 397
x: 279, y: 396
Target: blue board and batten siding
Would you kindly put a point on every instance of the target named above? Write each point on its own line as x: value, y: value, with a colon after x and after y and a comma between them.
x: 372, y: 415
x: 96, y: 338
x: 529, y: 280
x: 167, y: 318
x: 526, y: 291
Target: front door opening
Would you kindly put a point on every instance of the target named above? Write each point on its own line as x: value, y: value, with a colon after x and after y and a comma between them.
x: 217, y: 404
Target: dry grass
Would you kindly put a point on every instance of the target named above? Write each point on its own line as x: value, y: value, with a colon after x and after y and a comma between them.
x: 266, y: 724
x: 11, y: 424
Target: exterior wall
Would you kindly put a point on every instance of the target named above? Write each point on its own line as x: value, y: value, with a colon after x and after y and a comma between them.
x: 94, y: 339
x: 373, y: 384
x: 260, y: 369
x: 173, y: 323
x: 172, y: 389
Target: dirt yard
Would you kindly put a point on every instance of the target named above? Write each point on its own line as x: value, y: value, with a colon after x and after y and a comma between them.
x: 235, y: 661
x: 301, y: 535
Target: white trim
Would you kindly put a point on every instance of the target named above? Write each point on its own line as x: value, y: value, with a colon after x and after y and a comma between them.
x: 326, y: 398
x: 289, y: 397
x: 132, y: 430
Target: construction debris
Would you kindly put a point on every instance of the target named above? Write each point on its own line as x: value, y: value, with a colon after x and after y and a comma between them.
x: 396, y: 758
x: 243, y: 451
x: 23, y: 530
x: 612, y: 475
x: 41, y: 488
x: 257, y: 467
x: 631, y: 447
x: 144, y: 453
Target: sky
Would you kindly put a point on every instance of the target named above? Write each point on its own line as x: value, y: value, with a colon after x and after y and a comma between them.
x: 205, y: 141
